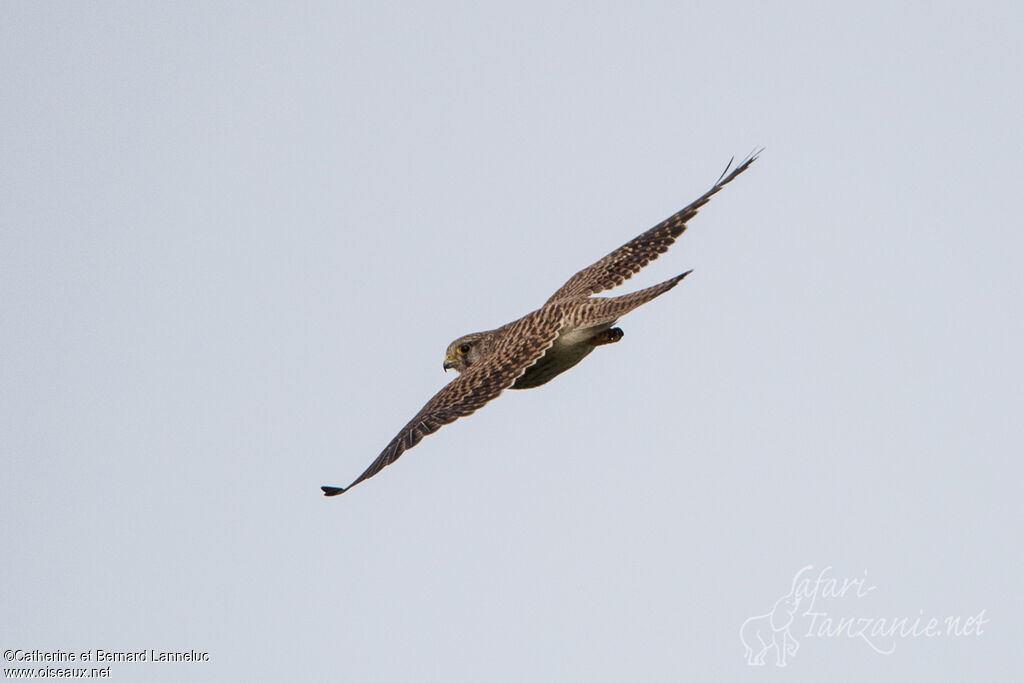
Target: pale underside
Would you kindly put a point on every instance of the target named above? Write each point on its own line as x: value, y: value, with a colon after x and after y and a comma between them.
x: 569, y: 349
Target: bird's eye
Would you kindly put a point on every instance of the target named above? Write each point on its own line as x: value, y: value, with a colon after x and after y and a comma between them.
x: 464, y: 348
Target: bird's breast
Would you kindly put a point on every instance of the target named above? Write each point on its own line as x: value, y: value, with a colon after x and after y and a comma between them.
x: 568, y: 349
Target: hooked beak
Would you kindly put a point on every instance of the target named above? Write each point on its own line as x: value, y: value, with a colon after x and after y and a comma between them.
x: 448, y: 364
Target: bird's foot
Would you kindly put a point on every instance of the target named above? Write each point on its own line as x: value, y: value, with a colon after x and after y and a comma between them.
x: 609, y: 336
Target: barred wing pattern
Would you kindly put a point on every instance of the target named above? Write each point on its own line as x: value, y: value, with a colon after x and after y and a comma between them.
x: 517, y: 346
x: 631, y: 257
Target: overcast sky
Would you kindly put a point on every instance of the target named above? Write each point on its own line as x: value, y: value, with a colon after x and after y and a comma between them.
x: 235, y: 240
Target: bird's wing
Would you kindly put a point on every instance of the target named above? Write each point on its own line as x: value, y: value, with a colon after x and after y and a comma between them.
x: 517, y: 347
x: 627, y: 260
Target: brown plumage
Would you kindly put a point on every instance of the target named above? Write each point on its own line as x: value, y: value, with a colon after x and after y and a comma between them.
x: 539, y: 346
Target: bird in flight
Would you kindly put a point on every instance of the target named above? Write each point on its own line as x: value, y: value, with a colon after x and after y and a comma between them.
x: 541, y: 345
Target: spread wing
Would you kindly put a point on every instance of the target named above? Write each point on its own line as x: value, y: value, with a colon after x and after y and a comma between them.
x: 517, y: 346
x: 627, y: 260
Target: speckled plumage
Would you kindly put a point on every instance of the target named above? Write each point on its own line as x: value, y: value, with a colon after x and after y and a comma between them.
x: 539, y: 346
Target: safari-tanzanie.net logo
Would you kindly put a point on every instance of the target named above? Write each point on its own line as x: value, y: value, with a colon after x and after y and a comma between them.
x: 820, y: 605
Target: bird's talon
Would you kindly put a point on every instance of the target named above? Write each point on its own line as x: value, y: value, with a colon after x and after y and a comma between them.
x: 607, y: 337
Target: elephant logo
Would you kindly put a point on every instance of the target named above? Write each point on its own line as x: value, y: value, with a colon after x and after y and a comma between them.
x: 766, y: 631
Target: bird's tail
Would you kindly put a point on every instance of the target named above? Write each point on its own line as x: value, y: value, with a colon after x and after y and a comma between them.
x: 601, y: 310
x: 613, y: 308
x: 631, y: 301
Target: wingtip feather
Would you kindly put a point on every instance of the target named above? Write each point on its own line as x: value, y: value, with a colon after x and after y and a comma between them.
x: 332, y: 490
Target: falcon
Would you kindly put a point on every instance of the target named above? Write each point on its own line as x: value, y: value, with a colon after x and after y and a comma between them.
x: 541, y: 345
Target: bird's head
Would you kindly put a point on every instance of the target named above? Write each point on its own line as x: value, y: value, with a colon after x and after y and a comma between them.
x: 465, y: 351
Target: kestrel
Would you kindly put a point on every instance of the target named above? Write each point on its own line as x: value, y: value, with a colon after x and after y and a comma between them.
x: 543, y: 344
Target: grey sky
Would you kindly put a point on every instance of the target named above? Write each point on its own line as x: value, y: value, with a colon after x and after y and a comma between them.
x: 236, y: 239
